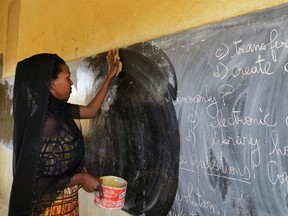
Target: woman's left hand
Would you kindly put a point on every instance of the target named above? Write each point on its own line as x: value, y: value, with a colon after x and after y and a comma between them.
x: 113, y: 63
x: 88, y: 182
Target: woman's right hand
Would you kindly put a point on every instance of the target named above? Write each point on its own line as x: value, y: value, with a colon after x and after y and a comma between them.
x: 113, y: 63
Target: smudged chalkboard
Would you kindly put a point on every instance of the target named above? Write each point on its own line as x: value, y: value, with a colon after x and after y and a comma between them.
x: 137, y: 136
x: 6, y: 117
x: 1, y: 65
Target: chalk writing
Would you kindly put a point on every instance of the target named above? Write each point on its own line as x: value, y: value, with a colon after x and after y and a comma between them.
x: 237, y: 174
x: 193, y: 119
x: 236, y: 118
x: 274, y: 176
x: 195, y: 99
x: 222, y: 52
x: 273, y: 44
x: 196, y: 199
x: 218, y: 139
x: 261, y: 66
x: 279, y: 151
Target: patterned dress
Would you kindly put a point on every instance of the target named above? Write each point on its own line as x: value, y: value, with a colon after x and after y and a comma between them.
x: 59, y: 148
x: 65, y: 204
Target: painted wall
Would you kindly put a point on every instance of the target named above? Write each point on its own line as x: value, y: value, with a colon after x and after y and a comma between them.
x: 3, y: 26
x: 83, y: 28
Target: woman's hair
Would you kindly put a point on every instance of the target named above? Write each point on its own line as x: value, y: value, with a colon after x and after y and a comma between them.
x: 57, y: 68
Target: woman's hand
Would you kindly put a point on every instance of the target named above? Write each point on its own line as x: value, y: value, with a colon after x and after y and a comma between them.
x: 94, y: 106
x: 113, y: 61
x: 88, y: 182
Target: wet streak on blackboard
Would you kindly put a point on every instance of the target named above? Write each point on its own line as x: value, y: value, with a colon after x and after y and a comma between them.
x: 137, y: 138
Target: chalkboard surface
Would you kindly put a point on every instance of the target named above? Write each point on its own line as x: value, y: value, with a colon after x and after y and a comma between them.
x: 233, y: 119
x: 199, y: 119
x: 136, y: 137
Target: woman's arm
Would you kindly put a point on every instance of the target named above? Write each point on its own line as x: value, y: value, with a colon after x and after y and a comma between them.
x: 93, y: 107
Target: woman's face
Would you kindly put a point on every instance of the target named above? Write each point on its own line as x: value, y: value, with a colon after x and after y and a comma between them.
x: 61, y: 87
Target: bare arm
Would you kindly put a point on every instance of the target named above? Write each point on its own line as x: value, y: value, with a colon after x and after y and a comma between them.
x: 95, y: 104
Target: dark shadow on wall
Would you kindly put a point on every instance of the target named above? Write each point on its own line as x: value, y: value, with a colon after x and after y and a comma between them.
x: 6, y: 118
x: 137, y: 138
x: 1, y: 65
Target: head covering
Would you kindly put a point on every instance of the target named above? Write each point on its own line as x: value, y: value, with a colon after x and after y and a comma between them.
x: 30, y: 99
x: 30, y: 106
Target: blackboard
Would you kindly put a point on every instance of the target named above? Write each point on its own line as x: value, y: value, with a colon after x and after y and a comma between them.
x: 136, y: 136
x: 203, y: 130
x: 232, y: 112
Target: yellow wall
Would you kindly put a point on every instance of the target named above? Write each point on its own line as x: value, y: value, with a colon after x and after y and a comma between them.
x: 3, y: 26
x: 3, y: 23
x: 79, y: 28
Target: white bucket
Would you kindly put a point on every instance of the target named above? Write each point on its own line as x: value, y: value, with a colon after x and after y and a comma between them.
x: 114, y: 190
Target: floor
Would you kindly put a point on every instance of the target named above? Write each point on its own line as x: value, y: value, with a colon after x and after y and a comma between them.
x: 3, y: 208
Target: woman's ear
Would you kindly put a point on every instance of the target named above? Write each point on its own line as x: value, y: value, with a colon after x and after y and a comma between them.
x: 52, y: 85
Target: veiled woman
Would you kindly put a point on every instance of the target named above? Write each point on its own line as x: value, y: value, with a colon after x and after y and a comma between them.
x: 48, y: 146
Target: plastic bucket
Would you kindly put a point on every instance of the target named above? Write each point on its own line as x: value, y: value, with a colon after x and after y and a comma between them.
x: 114, y: 190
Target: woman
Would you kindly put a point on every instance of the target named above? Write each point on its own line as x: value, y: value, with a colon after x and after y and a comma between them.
x: 48, y: 145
